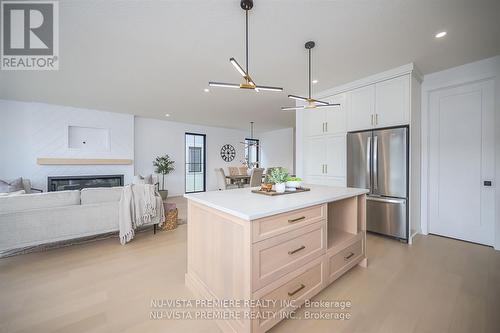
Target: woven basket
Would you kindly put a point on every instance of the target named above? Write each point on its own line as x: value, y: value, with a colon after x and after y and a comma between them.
x: 170, y: 220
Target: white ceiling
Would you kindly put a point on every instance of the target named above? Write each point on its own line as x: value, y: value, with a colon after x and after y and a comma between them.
x: 155, y: 57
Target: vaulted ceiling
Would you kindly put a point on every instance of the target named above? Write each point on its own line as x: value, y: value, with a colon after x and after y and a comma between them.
x: 150, y: 58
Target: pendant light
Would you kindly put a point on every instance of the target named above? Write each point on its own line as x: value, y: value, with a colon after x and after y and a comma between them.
x: 246, y: 144
x: 311, y: 103
x: 248, y: 83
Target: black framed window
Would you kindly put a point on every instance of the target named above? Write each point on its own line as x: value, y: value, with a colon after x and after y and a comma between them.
x: 252, y: 152
x: 195, y: 162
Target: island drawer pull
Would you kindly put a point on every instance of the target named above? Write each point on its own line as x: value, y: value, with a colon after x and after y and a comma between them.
x: 349, y: 256
x: 297, y: 219
x: 291, y: 293
x: 296, y: 250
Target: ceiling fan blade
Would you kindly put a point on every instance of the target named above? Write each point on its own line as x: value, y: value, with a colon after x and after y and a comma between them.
x: 292, y: 108
x: 267, y: 88
x: 327, y: 106
x: 223, y: 85
x: 320, y: 102
x: 298, y: 98
x: 238, y: 67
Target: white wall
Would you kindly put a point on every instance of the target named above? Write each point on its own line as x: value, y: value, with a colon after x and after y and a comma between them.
x: 277, y: 149
x: 157, y: 137
x: 32, y: 130
x: 476, y: 71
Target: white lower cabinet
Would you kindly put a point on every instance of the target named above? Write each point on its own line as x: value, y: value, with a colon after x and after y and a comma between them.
x: 325, y: 160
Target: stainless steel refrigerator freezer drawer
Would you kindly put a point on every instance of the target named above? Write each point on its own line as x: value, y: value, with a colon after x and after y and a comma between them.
x: 386, y: 216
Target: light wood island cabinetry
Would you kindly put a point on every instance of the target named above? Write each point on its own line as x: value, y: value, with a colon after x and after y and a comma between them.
x: 245, y: 246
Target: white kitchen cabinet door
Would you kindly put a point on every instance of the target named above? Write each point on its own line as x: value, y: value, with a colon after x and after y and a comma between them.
x: 315, y: 120
x: 392, y: 102
x: 315, y: 180
x: 315, y: 156
x: 336, y: 117
x: 361, y: 107
x: 336, y: 156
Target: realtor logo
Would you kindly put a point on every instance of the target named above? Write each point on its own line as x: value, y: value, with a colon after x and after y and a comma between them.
x: 30, y: 35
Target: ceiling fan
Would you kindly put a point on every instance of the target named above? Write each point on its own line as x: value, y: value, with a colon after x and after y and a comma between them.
x: 246, y: 5
x: 311, y: 103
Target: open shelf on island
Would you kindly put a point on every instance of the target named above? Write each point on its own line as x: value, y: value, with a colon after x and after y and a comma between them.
x: 343, y: 223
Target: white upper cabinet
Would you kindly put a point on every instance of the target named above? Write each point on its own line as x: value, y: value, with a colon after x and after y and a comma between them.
x: 360, y: 108
x: 336, y: 117
x: 392, y: 102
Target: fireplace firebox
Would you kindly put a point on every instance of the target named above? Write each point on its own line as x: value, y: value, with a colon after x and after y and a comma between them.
x: 65, y: 183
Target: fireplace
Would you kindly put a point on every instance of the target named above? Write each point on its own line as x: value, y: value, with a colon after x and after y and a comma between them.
x: 66, y: 183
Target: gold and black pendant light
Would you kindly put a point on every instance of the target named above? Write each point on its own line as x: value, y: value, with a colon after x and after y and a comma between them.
x: 248, y: 83
x: 311, y: 103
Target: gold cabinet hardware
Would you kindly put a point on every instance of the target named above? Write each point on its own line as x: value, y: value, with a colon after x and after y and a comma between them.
x: 291, y: 293
x: 296, y: 219
x: 296, y: 250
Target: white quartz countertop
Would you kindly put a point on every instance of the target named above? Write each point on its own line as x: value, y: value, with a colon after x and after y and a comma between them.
x: 249, y: 206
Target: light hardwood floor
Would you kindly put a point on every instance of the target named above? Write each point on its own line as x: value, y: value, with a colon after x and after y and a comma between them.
x: 436, y: 285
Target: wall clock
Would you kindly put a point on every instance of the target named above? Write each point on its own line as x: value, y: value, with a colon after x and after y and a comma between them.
x: 227, y: 152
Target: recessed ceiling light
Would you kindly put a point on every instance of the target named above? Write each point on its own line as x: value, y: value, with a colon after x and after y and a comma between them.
x: 441, y: 34
x: 167, y: 114
x: 315, y: 81
x: 206, y: 90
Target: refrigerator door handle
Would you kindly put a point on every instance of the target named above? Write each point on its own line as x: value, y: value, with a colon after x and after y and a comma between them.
x: 375, y: 162
x: 368, y: 155
x: 388, y: 200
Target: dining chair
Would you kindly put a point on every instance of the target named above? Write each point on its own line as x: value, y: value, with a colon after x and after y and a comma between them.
x: 256, y: 177
x: 233, y: 171
x: 221, y: 180
x: 243, y: 171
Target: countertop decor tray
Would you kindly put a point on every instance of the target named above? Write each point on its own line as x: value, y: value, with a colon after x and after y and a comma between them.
x: 273, y: 193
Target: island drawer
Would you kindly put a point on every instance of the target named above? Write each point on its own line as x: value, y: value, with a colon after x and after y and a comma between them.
x: 287, y: 294
x: 280, y: 255
x: 344, y: 260
x: 278, y: 224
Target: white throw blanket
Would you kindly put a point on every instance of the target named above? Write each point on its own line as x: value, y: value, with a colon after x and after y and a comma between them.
x: 139, y: 204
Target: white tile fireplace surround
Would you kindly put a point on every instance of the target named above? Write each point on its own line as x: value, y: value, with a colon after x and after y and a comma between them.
x: 36, y: 130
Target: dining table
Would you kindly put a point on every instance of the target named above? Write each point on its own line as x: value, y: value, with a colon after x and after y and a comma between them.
x: 239, y: 180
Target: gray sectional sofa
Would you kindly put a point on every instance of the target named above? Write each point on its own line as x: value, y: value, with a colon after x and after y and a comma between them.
x: 40, y: 218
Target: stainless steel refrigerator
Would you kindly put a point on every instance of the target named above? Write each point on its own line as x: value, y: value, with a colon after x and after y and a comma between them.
x: 378, y: 160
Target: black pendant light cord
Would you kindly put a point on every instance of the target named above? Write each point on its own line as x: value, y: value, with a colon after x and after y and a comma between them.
x: 309, y: 73
x: 246, y: 38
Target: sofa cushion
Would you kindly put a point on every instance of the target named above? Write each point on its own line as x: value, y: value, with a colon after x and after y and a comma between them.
x: 39, y: 200
x: 100, y: 195
x: 12, y: 186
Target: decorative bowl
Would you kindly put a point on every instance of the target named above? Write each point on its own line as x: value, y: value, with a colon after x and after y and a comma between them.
x: 294, y: 183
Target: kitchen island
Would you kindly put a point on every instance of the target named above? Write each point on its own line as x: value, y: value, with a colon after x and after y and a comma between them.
x: 271, y: 253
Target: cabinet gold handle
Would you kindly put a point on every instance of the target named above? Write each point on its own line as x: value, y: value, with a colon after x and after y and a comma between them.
x: 296, y: 219
x: 296, y: 250
x: 349, y: 256
x: 291, y: 293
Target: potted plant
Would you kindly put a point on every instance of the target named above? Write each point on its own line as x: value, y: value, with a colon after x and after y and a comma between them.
x: 278, y: 177
x: 293, y: 182
x: 164, y: 165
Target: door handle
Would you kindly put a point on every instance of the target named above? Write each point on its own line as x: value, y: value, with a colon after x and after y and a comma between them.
x: 375, y: 162
x: 296, y: 250
x: 371, y: 119
x: 376, y: 118
x: 326, y: 127
x: 326, y: 168
x: 487, y: 183
x: 291, y: 293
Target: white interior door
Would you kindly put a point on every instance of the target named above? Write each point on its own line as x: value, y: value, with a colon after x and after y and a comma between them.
x: 461, y: 162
